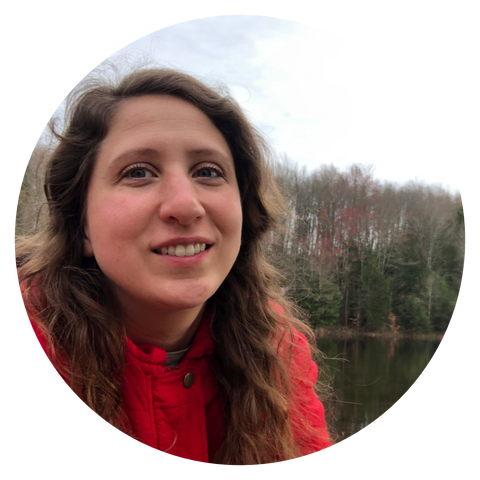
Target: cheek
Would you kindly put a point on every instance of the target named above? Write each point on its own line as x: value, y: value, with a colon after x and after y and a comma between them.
x: 229, y: 214
x: 111, y: 220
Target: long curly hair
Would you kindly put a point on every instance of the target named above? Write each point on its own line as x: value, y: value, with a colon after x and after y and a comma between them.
x: 75, y: 307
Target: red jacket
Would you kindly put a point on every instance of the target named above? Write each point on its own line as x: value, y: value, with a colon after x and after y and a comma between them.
x: 169, y: 412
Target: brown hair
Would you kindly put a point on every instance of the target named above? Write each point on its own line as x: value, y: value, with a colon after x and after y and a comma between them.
x: 75, y: 305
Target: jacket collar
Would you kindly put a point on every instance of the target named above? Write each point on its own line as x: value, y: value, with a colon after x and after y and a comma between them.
x: 202, y: 345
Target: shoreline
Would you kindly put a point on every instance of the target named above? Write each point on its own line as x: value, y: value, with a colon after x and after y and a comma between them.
x: 348, y: 333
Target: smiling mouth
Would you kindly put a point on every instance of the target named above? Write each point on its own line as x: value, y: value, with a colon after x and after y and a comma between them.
x: 182, y: 250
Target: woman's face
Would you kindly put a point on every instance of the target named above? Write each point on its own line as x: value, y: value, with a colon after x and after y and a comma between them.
x: 164, y: 181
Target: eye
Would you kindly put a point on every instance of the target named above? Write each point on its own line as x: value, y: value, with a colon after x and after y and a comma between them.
x: 209, y: 171
x: 137, y: 172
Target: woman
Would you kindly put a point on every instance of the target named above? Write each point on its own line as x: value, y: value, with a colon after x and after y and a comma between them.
x: 148, y: 287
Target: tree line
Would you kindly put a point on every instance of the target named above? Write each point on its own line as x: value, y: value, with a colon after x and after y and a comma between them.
x: 357, y: 252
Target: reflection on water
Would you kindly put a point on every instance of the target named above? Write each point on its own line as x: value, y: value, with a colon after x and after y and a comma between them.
x: 374, y: 374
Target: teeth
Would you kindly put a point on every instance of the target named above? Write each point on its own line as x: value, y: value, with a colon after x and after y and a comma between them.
x: 183, y: 250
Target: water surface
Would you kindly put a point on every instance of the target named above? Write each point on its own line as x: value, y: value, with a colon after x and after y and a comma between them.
x: 372, y: 376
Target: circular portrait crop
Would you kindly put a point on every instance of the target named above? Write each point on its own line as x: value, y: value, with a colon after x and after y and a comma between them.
x: 217, y: 254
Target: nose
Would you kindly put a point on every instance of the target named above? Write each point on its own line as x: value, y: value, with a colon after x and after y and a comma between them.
x: 180, y: 202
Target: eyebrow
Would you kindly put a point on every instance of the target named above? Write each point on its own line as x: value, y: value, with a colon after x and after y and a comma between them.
x: 207, y: 152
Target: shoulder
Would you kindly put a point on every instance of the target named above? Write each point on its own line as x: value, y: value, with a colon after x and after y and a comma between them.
x: 307, y: 411
x: 37, y: 333
x: 298, y: 338
x: 292, y: 343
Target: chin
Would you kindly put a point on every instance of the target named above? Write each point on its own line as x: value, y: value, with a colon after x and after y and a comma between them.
x: 173, y: 297
x: 184, y: 304
x: 187, y: 299
x: 191, y: 296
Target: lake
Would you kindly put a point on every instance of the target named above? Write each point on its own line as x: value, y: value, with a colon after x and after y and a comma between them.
x: 369, y: 375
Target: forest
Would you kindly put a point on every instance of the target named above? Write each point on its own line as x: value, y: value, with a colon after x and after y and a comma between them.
x: 355, y: 253
x: 367, y: 255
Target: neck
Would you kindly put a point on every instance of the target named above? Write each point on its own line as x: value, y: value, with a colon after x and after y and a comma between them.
x: 170, y: 330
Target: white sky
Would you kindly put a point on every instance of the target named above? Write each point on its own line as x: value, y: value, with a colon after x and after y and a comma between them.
x: 317, y: 96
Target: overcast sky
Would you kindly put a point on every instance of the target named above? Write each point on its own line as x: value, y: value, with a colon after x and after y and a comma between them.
x: 321, y: 98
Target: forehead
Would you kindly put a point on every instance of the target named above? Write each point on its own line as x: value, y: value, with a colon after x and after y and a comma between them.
x: 159, y: 121
x: 165, y: 111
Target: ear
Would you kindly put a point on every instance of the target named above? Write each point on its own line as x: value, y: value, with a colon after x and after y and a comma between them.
x: 87, y: 244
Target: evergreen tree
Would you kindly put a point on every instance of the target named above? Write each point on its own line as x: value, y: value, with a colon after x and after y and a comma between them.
x: 443, y: 304
x: 320, y: 298
x: 412, y: 315
x: 374, y: 294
